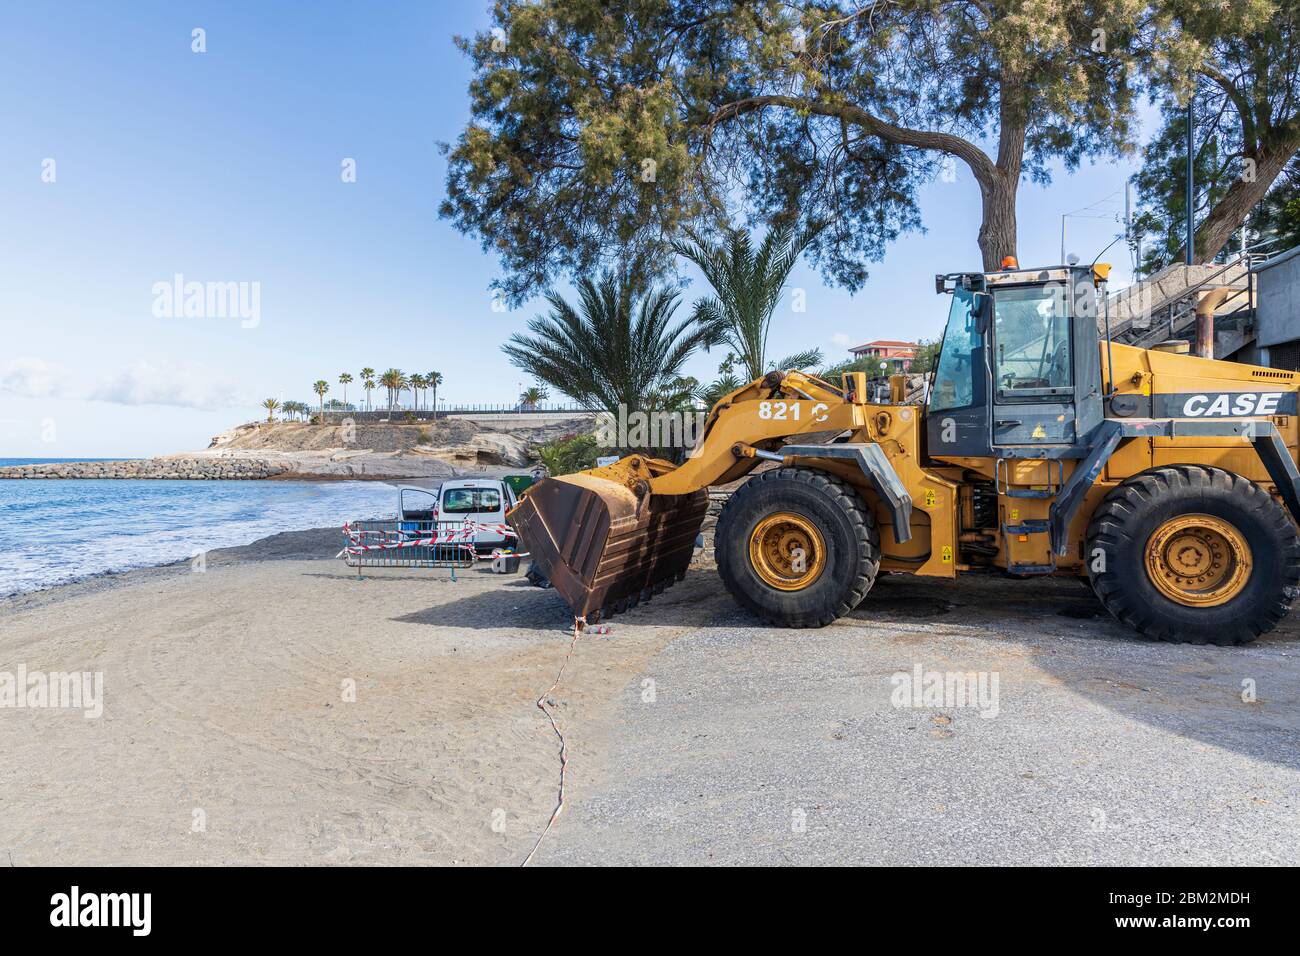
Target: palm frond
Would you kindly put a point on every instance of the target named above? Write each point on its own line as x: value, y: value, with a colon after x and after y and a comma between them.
x: 617, y: 346
x: 747, y: 285
x: 808, y: 358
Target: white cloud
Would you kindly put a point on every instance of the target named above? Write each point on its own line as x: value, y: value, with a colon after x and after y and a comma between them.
x: 184, y: 386
x: 840, y: 339
x: 32, y: 378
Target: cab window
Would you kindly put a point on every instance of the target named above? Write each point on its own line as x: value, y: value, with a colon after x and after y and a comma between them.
x: 954, y: 376
x: 1031, y: 335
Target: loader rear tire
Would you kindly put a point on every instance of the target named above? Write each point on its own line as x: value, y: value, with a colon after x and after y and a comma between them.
x: 797, y: 507
x: 1194, y: 555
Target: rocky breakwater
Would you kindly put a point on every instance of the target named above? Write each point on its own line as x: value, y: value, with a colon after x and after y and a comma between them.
x: 176, y: 469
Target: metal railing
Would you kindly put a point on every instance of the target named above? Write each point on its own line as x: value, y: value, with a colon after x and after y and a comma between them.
x: 511, y: 409
x: 400, y: 413
x: 427, y: 414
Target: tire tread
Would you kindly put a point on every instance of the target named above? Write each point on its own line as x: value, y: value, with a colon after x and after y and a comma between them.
x: 1112, y: 525
x: 840, y: 494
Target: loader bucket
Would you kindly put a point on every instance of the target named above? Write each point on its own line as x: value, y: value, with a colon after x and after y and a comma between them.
x: 603, y: 540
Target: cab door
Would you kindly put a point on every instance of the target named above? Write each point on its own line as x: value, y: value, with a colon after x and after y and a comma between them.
x: 957, y: 413
x: 1032, y: 365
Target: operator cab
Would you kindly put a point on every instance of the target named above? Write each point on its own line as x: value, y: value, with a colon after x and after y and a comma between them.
x: 1018, y: 373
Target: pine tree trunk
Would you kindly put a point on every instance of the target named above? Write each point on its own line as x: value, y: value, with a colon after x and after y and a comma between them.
x: 998, y: 186
x: 997, y: 236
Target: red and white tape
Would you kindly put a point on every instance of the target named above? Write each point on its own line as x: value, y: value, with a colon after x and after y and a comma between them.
x: 394, y: 540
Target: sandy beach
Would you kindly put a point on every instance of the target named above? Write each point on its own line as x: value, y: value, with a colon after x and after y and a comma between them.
x: 229, y: 734
x: 225, y: 703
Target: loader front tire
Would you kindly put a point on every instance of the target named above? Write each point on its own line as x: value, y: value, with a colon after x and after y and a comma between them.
x: 1194, y: 555
x: 798, y: 547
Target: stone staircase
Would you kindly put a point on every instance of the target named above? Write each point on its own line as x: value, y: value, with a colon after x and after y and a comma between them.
x: 1163, y: 306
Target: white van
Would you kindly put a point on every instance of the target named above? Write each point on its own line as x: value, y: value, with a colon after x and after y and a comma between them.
x: 483, y: 500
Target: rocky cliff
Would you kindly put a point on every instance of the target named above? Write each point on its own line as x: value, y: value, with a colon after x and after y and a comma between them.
x: 442, y: 449
x: 452, y: 441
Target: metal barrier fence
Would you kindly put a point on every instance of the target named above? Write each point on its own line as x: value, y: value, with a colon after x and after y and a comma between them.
x: 391, y: 533
x: 399, y: 415
x: 513, y: 409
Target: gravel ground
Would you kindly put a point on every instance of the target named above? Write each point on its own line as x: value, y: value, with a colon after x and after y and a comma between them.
x: 763, y: 746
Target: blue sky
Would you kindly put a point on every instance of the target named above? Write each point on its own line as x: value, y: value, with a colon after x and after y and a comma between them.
x: 225, y: 167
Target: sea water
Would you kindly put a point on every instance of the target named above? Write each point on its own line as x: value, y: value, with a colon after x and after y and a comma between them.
x: 53, y: 531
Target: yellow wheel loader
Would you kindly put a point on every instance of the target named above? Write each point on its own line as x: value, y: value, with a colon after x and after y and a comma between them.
x: 1167, y: 481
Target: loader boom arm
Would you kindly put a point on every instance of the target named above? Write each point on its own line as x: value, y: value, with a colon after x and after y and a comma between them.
x: 751, y: 420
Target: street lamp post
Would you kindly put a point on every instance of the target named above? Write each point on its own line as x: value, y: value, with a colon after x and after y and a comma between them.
x: 1191, y: 185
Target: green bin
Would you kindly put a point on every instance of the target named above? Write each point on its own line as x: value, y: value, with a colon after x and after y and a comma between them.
x: 518, y: 483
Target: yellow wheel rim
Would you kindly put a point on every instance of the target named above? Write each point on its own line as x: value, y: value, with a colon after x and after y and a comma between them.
x: 1198, y: 560
x: 787, y: 551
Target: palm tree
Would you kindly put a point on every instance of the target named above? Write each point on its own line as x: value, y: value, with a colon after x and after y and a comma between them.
x: 394, y: 381
x: 532, y: 397
x: 320, y: 387
x: 368, y: 382
x: 344, y: 380
x: 724, y: 384
x: 270, y: 405
x: 747, y: 289
x: 433, y: 380
x: 617, y: 348
x: 417, y: 383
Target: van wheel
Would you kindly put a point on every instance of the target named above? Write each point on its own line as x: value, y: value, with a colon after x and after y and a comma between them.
x: 797, y: 546
x: 1194, y: 555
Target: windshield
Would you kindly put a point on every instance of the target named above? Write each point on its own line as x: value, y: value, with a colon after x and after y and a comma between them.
x: 470, y: 500
x: 954, y: 376
x: 1032, y: 330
